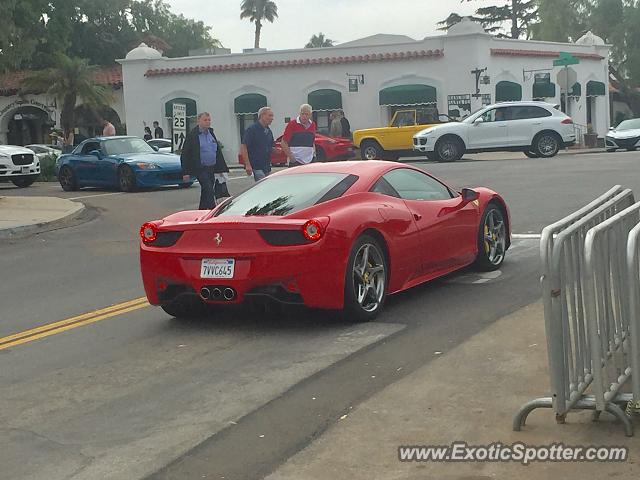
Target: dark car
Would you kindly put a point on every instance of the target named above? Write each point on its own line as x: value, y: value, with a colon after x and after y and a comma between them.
x: 123, y: 162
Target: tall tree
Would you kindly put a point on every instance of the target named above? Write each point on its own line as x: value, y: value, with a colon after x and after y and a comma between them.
x: 257, y: 11
x: 561, y: 20
x: 520, y: 14
x: 21, y: 31
x: 318, y: 41
x: 71, y: 79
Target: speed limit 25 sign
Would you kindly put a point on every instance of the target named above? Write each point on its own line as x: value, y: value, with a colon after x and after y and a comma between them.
x: 179, y: 124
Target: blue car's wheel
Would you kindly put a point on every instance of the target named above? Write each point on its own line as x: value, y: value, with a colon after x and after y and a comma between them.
x: 127, y: 179
x: 67, y: 179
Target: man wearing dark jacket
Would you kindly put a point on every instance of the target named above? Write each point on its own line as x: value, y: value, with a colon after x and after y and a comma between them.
x: 202, y: 158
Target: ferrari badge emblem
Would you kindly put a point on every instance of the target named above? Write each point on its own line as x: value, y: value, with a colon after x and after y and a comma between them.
x: 218, y: 238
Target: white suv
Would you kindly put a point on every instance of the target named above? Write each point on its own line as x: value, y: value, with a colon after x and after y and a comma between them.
x: 18, y: 164
x: 538, y: 129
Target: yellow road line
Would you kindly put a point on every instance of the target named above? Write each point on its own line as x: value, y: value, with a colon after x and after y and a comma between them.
x: 73, y: 322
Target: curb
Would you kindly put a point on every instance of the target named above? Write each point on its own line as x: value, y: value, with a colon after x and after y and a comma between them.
x: 41, y: 227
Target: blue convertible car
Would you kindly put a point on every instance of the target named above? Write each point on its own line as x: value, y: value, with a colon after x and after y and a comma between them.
x: 124, y: 162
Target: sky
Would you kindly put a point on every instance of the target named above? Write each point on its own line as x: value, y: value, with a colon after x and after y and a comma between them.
x: 339, y: 20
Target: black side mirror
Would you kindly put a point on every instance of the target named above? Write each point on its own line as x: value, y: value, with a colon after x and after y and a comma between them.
x: 469, y: 195
x: 157, y: 149
x: 96, y: 153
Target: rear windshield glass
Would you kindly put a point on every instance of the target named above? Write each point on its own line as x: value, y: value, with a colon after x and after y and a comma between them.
x: 286, y: 194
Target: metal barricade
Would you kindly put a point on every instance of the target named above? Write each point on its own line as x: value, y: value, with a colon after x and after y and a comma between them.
x: 564, y: 296
x: 633, y: 280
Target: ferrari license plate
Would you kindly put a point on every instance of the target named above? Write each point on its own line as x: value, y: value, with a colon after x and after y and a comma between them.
x: 24, y: 169
x: 217, y: 267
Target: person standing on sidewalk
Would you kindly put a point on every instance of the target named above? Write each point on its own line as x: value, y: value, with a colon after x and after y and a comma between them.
x: 257, y: 145
x: 299, y: 138
x: 202, y: 158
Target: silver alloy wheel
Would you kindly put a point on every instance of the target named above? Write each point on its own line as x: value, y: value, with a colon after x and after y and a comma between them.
x: 495, y: 237
x: 127, y: 179
x: 448, y: 150
x: 370, y: 152
x: 369, y: 277
x: 548, y: 145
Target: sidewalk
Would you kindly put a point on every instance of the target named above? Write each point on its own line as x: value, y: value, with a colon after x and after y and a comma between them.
x: 23, y: 215
x: 468, y: 394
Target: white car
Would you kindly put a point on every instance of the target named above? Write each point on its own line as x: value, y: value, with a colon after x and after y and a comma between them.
x: 538, y: 129
x: 42, y: 150
x: 625, y: 135
x: 18, y: 165
x: 162, y: 144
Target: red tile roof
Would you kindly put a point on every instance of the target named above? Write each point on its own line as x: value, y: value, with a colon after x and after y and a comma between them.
x: 11, y: 82
x: 374, y: 57
x: 541, y: 53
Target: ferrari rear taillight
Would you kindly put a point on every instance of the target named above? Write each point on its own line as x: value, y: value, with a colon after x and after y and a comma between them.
x: 149, y: 232
x: 567, y: 121
x: 312, y: 230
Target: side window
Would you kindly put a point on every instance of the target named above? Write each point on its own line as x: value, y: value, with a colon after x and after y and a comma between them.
x: 89, y: 147
x: 519, y: 113
x: 427, y: 115
x: 383, y: 187
x: 538, y: 112
x: 496, y: 115
x: 414, y: 185
x: 404, y: 118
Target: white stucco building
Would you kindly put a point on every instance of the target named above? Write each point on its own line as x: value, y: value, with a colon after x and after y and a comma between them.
x: 387, y: 71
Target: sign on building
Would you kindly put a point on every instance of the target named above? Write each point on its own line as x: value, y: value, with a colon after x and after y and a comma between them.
x: 353, y: 84
x: 486, y: 99
x: 179, y: 126
x: 459, y: 106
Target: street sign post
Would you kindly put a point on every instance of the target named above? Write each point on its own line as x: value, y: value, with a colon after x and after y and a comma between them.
x: 179, y: 124
x: 565, y: 60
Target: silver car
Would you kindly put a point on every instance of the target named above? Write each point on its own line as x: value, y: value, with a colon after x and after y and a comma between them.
x: 19, y: 165
x: 625, y: 135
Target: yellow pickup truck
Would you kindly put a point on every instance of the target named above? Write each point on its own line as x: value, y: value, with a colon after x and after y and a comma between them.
x: 396, y: 140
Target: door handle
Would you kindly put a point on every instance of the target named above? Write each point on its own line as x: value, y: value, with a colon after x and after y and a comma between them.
x: 417, y: 216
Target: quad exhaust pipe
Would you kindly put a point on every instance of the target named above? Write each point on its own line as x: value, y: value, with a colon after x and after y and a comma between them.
x: 217, y: 293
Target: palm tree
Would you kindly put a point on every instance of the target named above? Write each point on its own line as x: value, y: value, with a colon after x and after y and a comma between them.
x: 318, y: 41
x: 71, y: 79
x: 257, y: 11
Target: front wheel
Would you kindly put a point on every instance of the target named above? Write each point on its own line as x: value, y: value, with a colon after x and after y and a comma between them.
x: 366, y: 280
x: 23, y: 182
x: 492, y: 239
x: 449, y: 150
x: 127, y: 179
x: 370, y: 150
x: 67, y: 179
x: 547, y: 145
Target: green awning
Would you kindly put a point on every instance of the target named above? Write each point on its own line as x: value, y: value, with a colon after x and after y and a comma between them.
x: 544, y: 90
x: 595, y: 88
x: 408, y: 95
x: 249, y: 103
x: 192, y: 111
x: 576, y: 90
x: 508, y: 92
x: 325, y: 99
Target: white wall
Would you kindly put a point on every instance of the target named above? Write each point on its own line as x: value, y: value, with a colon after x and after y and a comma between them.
x: 287, y: 87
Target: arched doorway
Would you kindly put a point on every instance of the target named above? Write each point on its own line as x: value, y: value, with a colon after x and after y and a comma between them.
x: 246, y: 108
x: 324, y: 102
x: 88, y: 121
x: 508, y: 92
x: 29, y: 125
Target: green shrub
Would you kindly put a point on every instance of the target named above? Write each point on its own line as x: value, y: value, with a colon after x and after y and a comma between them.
x: 47, y: 168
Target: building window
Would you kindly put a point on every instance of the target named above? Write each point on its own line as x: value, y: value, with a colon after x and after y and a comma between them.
x: 508, y: 92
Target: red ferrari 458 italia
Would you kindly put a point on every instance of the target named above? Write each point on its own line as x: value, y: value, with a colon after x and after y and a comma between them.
x: 326, y: 235
x: 328, y: 149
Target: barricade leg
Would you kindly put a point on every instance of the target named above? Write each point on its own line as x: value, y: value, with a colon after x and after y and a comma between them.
x: 521, y: 417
